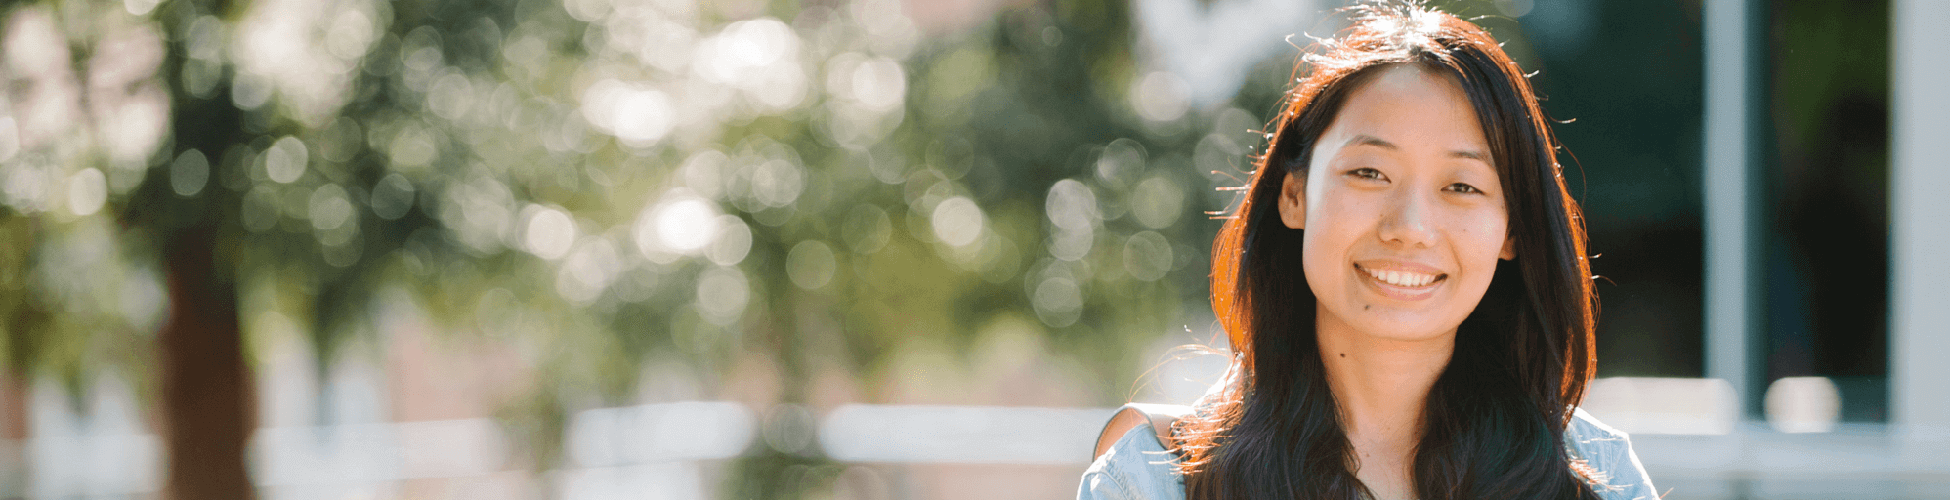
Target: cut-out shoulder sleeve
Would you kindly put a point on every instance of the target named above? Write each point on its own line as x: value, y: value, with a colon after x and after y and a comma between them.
x: 1609, y: 451
x: 1127, y: 418
x: 1136, y: 467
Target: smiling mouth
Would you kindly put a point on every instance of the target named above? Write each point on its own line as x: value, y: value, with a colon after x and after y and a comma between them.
x: 1404, y: 279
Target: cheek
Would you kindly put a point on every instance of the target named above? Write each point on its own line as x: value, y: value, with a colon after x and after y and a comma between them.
x: 1479, y: 238
x: 1334, y: 225
x: 1314, y: 256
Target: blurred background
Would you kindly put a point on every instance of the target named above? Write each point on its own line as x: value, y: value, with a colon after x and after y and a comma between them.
x: 876, y: 249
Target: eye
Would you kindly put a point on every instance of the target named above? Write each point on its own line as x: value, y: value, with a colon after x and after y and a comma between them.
x: 1464, y: 188
x: 1366, y: 173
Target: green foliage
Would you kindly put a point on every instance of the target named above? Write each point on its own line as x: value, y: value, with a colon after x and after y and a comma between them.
x: 615, y: 183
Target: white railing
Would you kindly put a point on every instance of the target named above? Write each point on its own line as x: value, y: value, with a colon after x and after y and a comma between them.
x: 961, y: 434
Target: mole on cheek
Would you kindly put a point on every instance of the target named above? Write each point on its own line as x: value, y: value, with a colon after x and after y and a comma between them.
x: 1365, y: 307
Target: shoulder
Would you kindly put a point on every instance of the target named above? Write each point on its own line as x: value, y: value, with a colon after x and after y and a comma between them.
x: 1135, y: 467
x: 1590, y: 433
x: 1608, y: 451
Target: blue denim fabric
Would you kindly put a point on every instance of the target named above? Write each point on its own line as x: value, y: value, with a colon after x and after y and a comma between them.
x: 1139, y: 468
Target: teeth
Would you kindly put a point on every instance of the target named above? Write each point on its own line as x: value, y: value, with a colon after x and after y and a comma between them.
x: 1402, y: 278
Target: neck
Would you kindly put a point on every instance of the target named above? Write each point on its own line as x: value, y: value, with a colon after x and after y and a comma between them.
x: 1381, y: 385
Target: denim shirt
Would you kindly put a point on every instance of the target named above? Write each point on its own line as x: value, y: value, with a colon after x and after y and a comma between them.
x: 1138, y: 467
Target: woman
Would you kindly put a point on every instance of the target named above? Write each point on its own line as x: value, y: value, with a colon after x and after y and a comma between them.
x: 1406, y: 294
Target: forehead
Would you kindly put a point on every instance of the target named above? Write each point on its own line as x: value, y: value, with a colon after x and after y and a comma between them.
x: 1417, y: 109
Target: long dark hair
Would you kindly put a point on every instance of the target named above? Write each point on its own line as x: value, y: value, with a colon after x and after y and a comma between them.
x: 1494, y: 421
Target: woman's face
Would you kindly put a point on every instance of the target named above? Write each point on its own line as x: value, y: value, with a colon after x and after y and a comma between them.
x: 1402, y: 208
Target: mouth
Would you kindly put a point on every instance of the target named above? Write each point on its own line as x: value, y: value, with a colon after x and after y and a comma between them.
x: 1403, y: 278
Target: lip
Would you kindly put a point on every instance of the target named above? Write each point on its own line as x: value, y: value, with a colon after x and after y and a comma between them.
x: 1398, y: 292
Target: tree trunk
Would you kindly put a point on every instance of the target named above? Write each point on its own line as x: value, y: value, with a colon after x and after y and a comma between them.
x: 206, y: 391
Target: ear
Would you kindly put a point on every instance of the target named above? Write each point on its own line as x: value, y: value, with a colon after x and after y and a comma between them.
x: 1509, y: 248
x: 1293, y: 201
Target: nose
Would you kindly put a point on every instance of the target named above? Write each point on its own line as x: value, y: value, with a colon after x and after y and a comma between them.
x: 1407, y: 221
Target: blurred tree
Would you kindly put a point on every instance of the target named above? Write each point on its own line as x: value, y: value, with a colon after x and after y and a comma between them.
x: 269, y: 176
x: 70, y: 301
x: 225, y: 139
x: 814, y: 185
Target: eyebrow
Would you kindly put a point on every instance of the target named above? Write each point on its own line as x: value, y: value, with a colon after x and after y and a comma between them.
x: 1369, y: 140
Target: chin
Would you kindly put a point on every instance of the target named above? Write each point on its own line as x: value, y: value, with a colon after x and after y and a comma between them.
x: 1412, y: 331
x: 1406, y: 326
